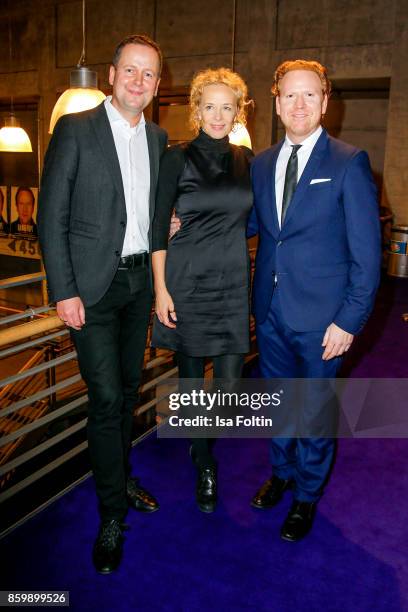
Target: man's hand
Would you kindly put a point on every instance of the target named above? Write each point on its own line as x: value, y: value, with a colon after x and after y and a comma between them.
x: 336, y: 342
x: 165, y: 308
x: 72, y: 312
x: 175, y: 225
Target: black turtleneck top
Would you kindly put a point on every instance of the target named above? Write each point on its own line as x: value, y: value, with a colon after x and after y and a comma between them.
x: 211, y: 157
x: 207, y: 182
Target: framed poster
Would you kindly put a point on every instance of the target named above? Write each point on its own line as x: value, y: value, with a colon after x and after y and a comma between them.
x: 23, y: 212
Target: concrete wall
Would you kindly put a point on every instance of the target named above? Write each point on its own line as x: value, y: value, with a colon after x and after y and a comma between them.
x: 363, y: 41
x: 396, y: 151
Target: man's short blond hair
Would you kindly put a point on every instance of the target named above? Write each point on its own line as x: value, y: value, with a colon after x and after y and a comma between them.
x: 301, y: 64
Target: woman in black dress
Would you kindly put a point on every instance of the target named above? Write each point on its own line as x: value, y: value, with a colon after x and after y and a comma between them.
x: 201, y: 276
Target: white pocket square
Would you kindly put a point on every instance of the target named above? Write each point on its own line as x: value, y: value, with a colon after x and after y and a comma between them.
x: 314, y: 181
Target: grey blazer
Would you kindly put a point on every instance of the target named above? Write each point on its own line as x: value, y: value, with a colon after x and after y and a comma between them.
x: 82, y: 210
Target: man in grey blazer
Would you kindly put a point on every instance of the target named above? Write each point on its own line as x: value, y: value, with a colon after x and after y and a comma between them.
x: 95, y: 210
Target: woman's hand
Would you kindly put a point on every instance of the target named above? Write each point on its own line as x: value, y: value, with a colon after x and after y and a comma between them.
x: 175, y: 225
x: 165, y: 308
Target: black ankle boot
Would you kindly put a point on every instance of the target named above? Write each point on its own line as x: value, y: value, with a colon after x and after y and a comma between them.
x: 207, y: 488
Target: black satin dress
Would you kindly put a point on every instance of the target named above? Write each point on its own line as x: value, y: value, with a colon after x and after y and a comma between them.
x: 207, y: 181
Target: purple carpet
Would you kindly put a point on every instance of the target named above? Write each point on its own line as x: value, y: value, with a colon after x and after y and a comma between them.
x: 355, y: 559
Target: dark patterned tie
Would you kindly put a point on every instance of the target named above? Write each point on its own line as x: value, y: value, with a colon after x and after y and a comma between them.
x: 290, y: 180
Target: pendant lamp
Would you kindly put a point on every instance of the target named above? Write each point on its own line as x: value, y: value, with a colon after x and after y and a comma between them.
x: 13, y: 139
x: 83, y: 92
x: 239, y: 134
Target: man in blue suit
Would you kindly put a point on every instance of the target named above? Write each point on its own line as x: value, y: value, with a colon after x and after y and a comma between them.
x: 317, y: 270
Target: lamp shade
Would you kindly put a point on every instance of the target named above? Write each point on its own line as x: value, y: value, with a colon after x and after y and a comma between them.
x: 240, y: 136
x: 82, y: 95
x: 13, y: 139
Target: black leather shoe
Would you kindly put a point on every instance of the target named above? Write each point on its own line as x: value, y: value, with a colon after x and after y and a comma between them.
x: 270, y: 493
x: 140, y: 499
x: 207, y: 488
x: 299, y: 521
x: 107, y: 550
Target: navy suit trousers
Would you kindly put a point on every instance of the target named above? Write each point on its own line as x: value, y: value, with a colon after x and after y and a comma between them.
x: 285, y: 353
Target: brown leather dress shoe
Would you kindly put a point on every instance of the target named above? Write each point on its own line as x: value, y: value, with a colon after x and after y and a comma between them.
x: 299, y: 521
x: 140, y: 499
x: 270, y: 493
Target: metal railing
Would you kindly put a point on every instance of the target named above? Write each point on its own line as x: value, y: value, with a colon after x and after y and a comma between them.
x: 47, y: 391
x: 29, y: 403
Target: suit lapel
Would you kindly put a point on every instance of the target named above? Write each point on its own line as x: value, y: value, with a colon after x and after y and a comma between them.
x: 106, y: 142
x: 308, y: 173
x: 271, y: 173
x: 154, y: 156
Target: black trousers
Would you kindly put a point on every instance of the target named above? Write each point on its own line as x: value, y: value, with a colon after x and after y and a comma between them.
x: 224, y: 366
x: 110, y: 350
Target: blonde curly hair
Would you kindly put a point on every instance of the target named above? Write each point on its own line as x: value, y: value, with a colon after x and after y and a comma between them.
x: 223, y: 76
x: 301, y: 64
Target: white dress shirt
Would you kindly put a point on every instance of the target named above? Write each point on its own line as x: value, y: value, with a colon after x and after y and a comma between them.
x: 303, y: 155
x: 133, y: 154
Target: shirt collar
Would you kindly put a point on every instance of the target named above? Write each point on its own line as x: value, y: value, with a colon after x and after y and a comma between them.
x: 309, y: 142
x: 114, y: 115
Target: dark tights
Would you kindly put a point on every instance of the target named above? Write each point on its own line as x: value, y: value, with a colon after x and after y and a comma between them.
x: 226, y: 367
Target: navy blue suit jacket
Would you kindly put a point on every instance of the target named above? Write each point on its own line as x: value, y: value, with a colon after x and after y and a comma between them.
x: 326, y: 257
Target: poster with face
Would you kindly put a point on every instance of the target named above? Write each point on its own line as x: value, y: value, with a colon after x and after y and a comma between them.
x: 4, y: 225
x: 24, y: 212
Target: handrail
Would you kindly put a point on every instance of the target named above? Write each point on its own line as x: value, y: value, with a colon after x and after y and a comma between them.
x: 32, y: 361
x: 24, y: 279
x: 40, y: 448
x: 25, y: 345
x: 29, y: 312
x: 40, y: 395
x: 49, y: 467
x: 37, y: 369
x: 52, y: 416
x: 26, y: 330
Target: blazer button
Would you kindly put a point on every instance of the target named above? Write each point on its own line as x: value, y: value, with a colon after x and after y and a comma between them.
x: 122, y: 223
x: 280, y: 242
x: 117, y: 253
